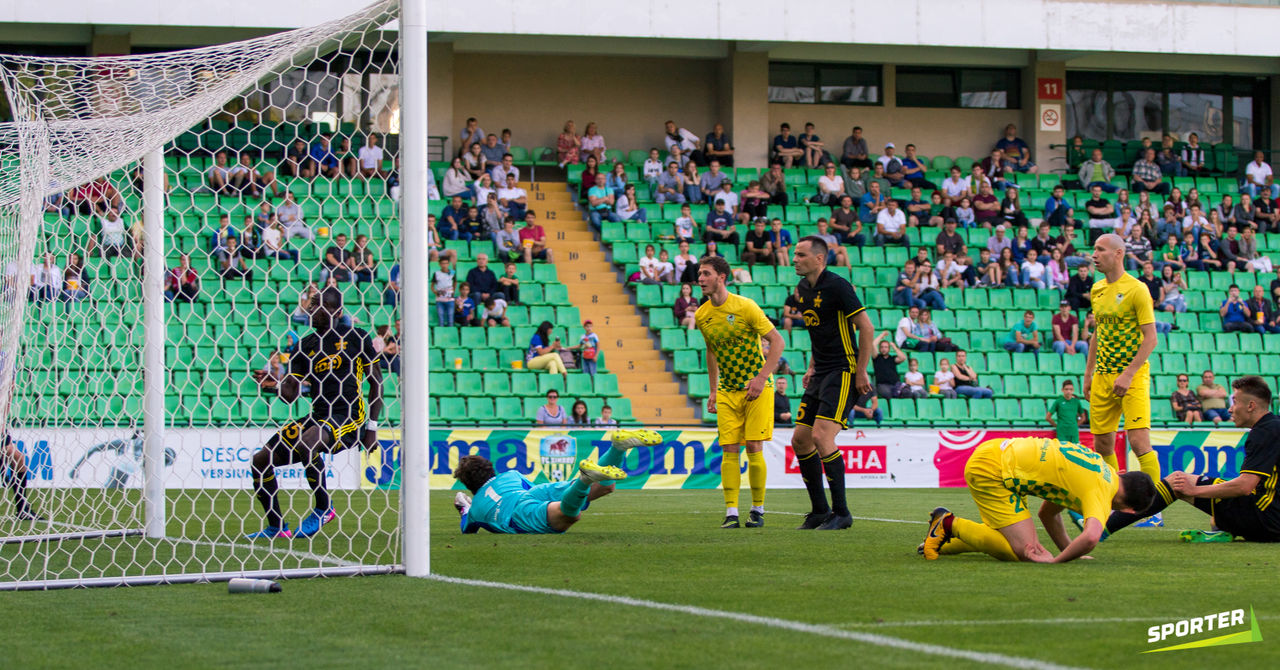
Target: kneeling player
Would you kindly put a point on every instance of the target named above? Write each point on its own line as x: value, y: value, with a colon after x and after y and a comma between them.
x: 13, y: 465
x: 509, y: 503
x: 1002, y: 473
x: 334, y: 361
x: 1244, y: 506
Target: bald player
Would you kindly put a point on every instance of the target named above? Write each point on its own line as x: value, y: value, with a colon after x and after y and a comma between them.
x: 1117, y: 379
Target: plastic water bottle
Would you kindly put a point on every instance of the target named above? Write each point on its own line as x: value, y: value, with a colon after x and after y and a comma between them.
x: 243, y: 585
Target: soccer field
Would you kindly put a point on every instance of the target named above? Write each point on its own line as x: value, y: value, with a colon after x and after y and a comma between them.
x: 679, y: 592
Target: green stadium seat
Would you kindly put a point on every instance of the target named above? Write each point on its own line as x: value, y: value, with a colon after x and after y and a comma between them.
x: 486, y: 359
x: 525, y: 383
x: 480, y: 409
x: 497, y: 384
x: 509, y: 408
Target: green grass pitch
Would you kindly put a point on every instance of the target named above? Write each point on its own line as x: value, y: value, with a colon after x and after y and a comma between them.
x: 664, y: 546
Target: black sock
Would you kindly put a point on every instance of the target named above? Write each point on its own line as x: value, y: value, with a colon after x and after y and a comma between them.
x: 1164, y: 498
x: 811, y: 473
x: 315, y: 477
x: 18, y: 484
x: 265, y: 485
x: 833, y: 465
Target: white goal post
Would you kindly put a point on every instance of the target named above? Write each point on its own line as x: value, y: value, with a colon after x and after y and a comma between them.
x: 128, y: 397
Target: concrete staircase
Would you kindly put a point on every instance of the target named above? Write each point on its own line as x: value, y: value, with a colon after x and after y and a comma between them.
x: 629, y: 351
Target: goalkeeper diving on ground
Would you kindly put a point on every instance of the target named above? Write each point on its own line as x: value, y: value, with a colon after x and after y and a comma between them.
x: 508, y: 503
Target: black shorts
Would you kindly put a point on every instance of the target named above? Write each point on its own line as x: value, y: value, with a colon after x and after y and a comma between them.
x: 346, y: 431
x: 829, y: 396
x: 1238, y: 516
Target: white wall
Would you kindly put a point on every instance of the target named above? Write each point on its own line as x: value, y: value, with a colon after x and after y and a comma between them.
x: 1064, y: 25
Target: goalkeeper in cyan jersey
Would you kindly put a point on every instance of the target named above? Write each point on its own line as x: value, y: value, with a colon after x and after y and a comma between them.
x: 509, y: 503
x: 334, y: 361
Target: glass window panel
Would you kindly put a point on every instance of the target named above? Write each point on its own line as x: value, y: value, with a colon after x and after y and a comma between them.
x: 791, y: 82
x: 1199, y: 113
x: 1087, y: 113
x: 925, y: 88
x: 849, y: 84
x: 990, y: 89
x: 1137, y: 114
x: 1242, y: 121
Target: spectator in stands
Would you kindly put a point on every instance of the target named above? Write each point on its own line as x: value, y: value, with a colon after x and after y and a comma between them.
x: 1020, y: 245
x: 830, y: 188
x: 649, y: 267
x: 854, y: 150
x: 815, y: 153
x: 219, y: 175
x: 1245, y: 213
x: 1275, y: 288
x: 955, y: 187
x: 592, y: 143
x: 297, y: 161
x: 290, y: 216
x: 967, y: 378
x: 1016, y: 152
x: 1024, y: 336
x: 552, y: 414
x: 234, y: 265
x: 676, y: 155
x: 1059, y: 274
x: 1209, y: 256
x: 989, y: 272
x: 75, y: 279
x: 891, y: 225
x: 96, y: 197
x: 494, y: 311
x: 1011, y: 209
x: 442, y: 284
x: 1193, y: 157
x: 685, y: 263
x: 391, y: 294
x: 836, y: 253
x: 786, y: 148
x: 1102, y: 213
x: 362, y: 262
x: 758, y: 247
x: 273, y: 242
x: 544, y: 352
x: 1213, y: 398
x: 712, y: 249
x: 997, y: 243
x: 917, y: 208
x: 913, y: 169
x: 651, y: 171
x: 683, y: 138
x: 775, y: 184
x: 1171, y: 287
x: 1066, y: 331
x: 885, y: 365
x: 711, y: 181
x: 568, y: 145
x: 326, y: 161
x: 46, y: 280
x: 472, y: 133
x: 781, y: 403
x: 986, y: 208
x: 464, y: 307
x: 617, y: 179
x: 534, y: 241
x: 731, y: 200
x: 1147, y: 175
x: 964, y: 213
x: 915, y: 380
x: 454, y: 214
x: 337, y: 260
x: 182, y: 284
x: 626, y: 207
x: 1265, y: 319
x: 846, y: 223
x: 263, y: 181
x: 927, y: 288
x: 720, y: 226
x: 685, y: 227
x: 505, y: 172
x: 218, y: 240
x: 945, y: 379
x: 928, y: 333
x: 1137, y: 250
x: 578, y: 416
x: 1186, y: 405
x: 507, y: 246
x: 1097, y: 172
x: 509, y: 283
x: 993, y: 168
x: 1265, y: 214
x: 780, y: 239
x: 718, y: 147
x: 513, y: 198
x: 600, y: 202
x: 113, y: 237
x: 670, y: 185
x: 1034, y: 273
x: 685, y: 306
x: 455, y: 181
x: 948, y: 239
x: 588, y: 346
x: 239, y: 177
x: 1235, y: 313
x: 1248, y: 253
x: 1010, y: 269
x: 474, y: 161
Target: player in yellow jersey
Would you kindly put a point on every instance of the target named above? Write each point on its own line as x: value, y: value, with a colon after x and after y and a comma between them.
x: 741, y: 383
x: 1001, y: 474
x: 1117, y: 377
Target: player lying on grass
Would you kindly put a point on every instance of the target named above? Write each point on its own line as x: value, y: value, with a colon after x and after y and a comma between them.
x: 13, y: 466
x: 509, y: 503
x: 1244, y: 506
x: 334, y: 361
x: 1002, y: 473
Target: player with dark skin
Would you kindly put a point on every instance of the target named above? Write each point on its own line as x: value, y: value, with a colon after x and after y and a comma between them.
x: 338, y: 418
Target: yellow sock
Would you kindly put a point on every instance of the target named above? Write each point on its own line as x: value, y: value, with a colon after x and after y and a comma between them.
x: 757, y: 473
x: 730, y: 478
x: 987, y: 540
x: 1112, y: 461
x: 956, y: 546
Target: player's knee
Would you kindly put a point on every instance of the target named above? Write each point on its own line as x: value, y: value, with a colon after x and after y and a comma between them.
x: 261, y: 461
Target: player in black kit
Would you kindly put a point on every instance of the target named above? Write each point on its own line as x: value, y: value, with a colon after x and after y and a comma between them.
x: 1241, y: 507
x: 334, y: 361
x: 837, y: 376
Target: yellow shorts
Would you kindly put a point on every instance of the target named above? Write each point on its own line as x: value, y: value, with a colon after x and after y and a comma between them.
x: 1105, y: 409
x: 998, y: 505
x: 738, y: 420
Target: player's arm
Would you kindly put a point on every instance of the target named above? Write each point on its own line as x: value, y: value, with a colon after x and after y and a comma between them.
x: 1084, y: 542
x: 713, y: 377
x: 1048, y: 416
x: 756, y: 386
x: 1242, y: 485
x: 1051, y: 518
x: 866, y: 349
x: 467, y: 527
x: 1091, y: 364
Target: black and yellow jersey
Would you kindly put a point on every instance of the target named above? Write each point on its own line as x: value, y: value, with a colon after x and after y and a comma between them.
x: 828, y: 309
x: 335, y: 364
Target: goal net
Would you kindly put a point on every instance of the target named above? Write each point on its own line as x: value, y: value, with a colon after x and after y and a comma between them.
x: 279, y: 157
